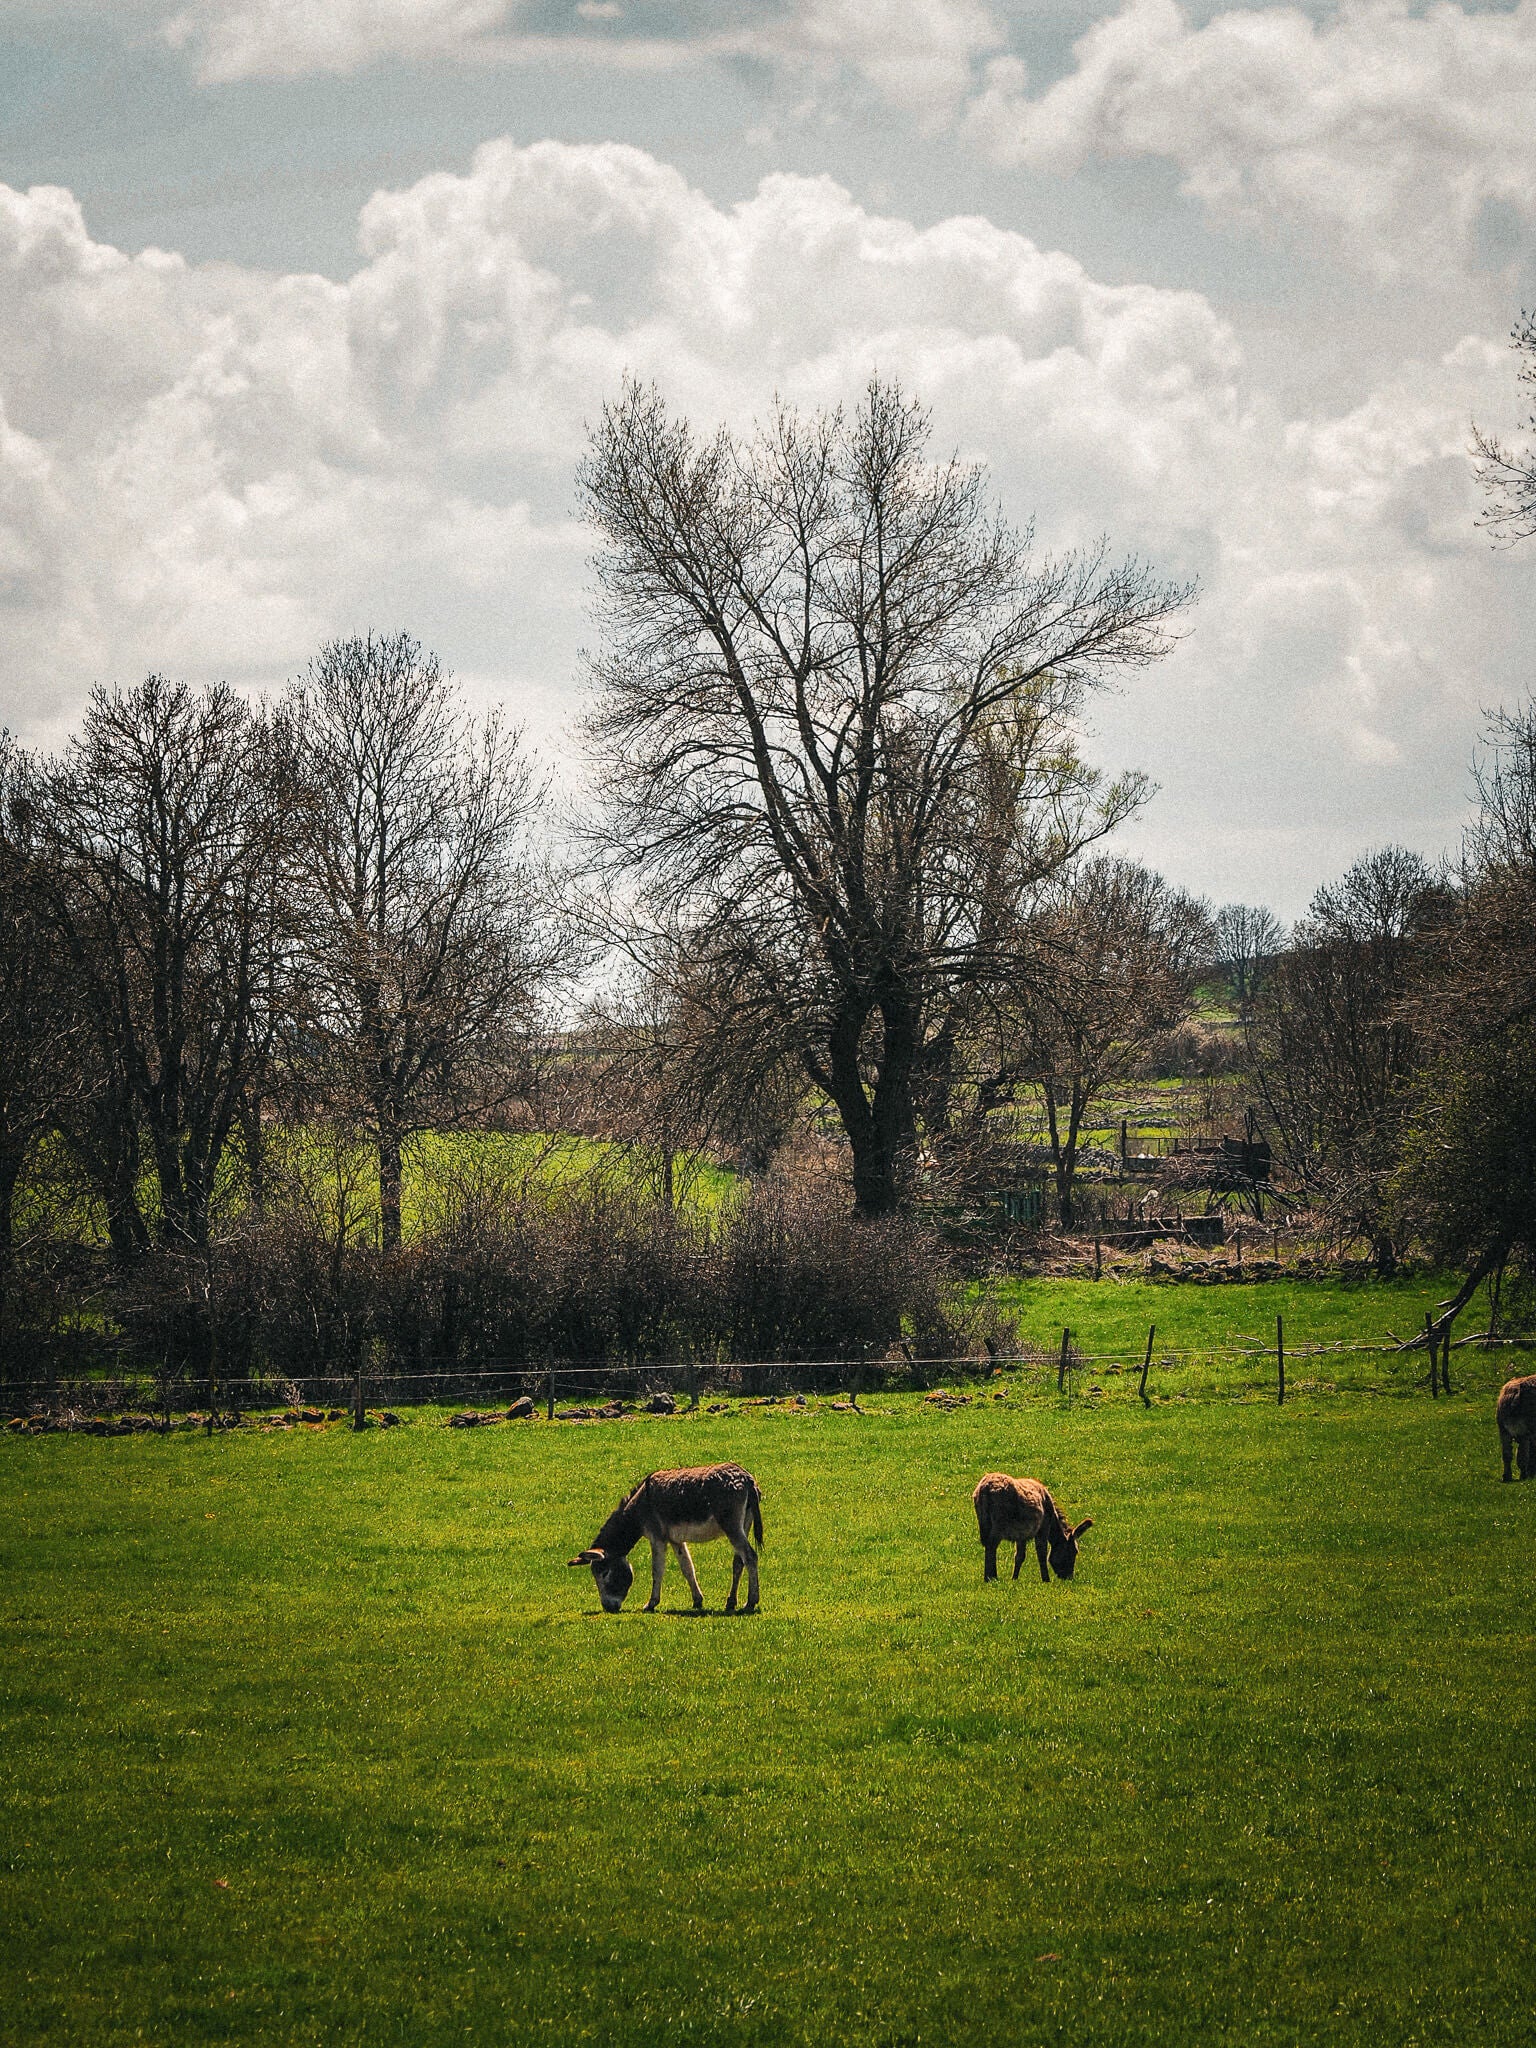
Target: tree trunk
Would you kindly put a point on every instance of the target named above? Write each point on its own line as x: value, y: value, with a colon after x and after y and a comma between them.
x: 1063, y: 1155
x: 389, y: 1184
x: 10, y: 1168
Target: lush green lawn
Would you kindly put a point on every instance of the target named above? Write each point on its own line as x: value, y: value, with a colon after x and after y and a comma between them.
x: 1112, y: 1315
x: 311, y: 1738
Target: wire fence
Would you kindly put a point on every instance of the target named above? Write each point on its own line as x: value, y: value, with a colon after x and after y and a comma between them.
x: 1434, y: 1365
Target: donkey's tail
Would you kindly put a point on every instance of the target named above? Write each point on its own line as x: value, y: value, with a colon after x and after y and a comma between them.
x: 757, y: 1514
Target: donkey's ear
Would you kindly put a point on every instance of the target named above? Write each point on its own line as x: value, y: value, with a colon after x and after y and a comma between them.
x: 1081, y: 1527
x: 586, y: 1557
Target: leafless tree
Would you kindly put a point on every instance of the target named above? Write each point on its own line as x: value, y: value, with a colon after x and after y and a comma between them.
x: 37, y: 1013
x: 823, y: 658
x: 1508, y: 475
x: 1331, y: 1040
x: 1118, y: 951
x: 660, y: 1080
x: 1245, y: 938
x: 1466, y: 1185
x: 429, y: 927
x: 160, y: 833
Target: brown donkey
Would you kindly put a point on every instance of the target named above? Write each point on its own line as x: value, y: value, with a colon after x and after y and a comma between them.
x: 672, y: 1510
x: 1021, y: 1511
x: 1516, y: 1417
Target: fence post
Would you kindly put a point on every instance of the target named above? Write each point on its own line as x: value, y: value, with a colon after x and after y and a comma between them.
x: 1434, y: 1362
x: 1145, y: 1363
x: 1098, y: 1259
x: 1061, y: 1370
x: 549, y: 1412
x: 1445, y: 1361
x: 1280, y: 1354
x: 693, y: 1383
x: 359, y: 1420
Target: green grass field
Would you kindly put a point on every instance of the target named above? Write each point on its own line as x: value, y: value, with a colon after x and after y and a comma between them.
x: 1111, y: 1316
x: 311, y: 1738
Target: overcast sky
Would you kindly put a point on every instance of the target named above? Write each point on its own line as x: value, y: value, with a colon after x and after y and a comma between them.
x: 303, y: 308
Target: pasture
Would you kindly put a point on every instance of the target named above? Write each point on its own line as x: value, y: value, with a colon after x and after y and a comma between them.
x: 311, y: 1737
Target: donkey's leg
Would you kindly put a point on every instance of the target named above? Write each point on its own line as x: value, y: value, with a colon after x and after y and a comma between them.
x: 1507, y: 1446
x: 738, y: 1566
x: 1040, y: 1550
x: 685, y: 1559
x: 988, y: 1557
x: 1020, y: 1550
x: 751, y: 1557
x: 658, y: 1566
x: 1527, y: 1455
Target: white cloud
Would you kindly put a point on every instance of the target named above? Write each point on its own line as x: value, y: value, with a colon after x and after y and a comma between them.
x: 208, y: 470
x: 288, y: 38
x: 1385, y: 128
x: 917, y: 55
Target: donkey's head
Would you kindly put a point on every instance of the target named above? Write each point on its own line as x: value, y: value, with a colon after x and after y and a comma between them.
x: 1064, y: 1547
x: 614, y: 1576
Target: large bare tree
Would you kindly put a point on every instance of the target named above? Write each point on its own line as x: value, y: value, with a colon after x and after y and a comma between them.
x: 834, y: 742
x: 160, y: 834
x: 429, y: 927
x: 37, y: 1010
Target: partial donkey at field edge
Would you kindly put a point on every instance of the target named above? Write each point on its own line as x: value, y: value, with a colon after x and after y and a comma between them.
x: 672, y: 1510
x: 1021, y: 1512
x: 1516, y: 1417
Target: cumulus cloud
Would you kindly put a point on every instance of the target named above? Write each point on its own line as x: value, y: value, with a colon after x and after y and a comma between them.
x: 288, y: 38
x: 917, y: 55
x: 1388, y: 129
x: 208, y: 470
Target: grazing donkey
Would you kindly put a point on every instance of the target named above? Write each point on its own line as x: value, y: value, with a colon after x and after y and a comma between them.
x: 676, y: 1509
x: 1516, y: 1417
x: 1017, y: 1511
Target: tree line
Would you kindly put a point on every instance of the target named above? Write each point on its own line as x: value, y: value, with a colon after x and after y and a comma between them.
x: 843, y: 849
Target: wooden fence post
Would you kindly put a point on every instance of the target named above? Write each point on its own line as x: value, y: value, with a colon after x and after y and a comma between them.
x: 1434, y: 1362
x: 1145, y: 1363
x: 549, y: 1412
x: 1280, y: 1354
x: 359, y: 1420
x: 1061, y: 1370
x: 1445, y: 1361
x: 1098, y: 1259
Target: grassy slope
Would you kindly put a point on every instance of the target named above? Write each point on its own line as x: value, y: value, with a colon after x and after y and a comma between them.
x: 1262, y: 1774
x: 1109, y: 1315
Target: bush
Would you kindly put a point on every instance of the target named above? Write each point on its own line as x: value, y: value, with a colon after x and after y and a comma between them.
x: 508, y: 1272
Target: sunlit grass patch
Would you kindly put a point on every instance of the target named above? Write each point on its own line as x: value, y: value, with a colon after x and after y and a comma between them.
x: 314, y: 1736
